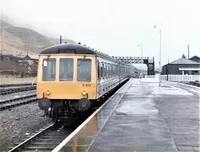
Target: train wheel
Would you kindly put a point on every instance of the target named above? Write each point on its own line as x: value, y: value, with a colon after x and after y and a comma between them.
x: 54, y: 114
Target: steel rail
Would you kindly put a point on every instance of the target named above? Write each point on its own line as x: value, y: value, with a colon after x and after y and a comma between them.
x: 21, y: 145
x: 6, y: 104
x: 12, y: 85
x: 9, y: 91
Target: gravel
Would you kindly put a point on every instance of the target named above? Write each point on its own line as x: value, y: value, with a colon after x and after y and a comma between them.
x: 16, y: 124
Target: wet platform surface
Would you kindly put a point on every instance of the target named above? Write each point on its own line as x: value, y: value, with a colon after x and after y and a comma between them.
x: 143, y: 117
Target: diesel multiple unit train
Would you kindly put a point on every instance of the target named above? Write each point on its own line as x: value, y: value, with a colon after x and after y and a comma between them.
x: 72, y: 78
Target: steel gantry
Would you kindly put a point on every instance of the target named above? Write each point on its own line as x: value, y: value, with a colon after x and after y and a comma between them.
x: 139, y: 60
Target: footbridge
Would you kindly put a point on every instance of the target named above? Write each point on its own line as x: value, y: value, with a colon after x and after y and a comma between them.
x: 139, y: 60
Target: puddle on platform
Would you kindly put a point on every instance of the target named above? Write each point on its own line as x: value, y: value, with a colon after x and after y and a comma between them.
x: 137, y: 107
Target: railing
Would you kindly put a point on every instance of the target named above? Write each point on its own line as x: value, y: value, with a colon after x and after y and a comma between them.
x: 128, y: 57
x: 182, y: 78
x: 179, y: 78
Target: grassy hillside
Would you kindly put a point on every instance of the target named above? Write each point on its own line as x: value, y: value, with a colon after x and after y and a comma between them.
x: 19, y: 40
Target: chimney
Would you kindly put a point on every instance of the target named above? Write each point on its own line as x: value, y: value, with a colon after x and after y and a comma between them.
x: 188, y: 51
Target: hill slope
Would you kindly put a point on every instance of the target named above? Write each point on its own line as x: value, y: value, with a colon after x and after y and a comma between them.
x: 18, y: 40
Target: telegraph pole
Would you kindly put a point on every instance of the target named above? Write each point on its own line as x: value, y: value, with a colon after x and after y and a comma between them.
x: 141, y: 47
x: 60, y: 39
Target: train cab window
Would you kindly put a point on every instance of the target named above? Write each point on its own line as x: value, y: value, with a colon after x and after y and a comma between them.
x: 49, y: 69
x: 66, y: 69
x: 84, y: 70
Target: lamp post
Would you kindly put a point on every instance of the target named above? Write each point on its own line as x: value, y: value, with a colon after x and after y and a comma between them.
x: 167, y: 71
x: 141, y: 46
x: 160, y: 31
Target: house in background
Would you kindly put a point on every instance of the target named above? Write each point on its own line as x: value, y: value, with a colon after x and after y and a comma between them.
x: 182, y: 66
x: 33, y: 59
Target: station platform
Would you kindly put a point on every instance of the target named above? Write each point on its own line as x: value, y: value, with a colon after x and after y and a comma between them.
x: 143, y: 116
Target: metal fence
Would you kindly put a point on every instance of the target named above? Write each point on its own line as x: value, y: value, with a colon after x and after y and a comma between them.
x: 182, y: 78
x: 178, y: 78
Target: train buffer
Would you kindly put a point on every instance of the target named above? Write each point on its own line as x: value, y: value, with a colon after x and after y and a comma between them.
x: 141, y: 116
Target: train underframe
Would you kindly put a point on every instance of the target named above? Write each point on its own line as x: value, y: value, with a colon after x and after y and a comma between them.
x: 70, y: 109
x: 67, y: 109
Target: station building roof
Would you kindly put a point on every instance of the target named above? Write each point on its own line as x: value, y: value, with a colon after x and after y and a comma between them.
x: 195, y: 58
x: 184, y: 61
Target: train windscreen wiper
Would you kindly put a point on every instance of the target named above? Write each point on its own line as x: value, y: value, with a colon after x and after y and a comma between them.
x: 81, y: 60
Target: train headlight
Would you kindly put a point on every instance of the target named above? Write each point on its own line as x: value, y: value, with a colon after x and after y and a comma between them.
x: 84, y: 93
x: 48, y: 92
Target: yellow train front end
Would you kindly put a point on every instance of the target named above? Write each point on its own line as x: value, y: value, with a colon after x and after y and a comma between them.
x: 66, y: 83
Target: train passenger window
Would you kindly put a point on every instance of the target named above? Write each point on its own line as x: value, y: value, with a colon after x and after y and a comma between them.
x: 112, y: 72
x: 99, y: 69
x: 106, y: 70
x: 49, y: 69
x: 102, y: 71
x: 84, y: 70
x: 66, y: 69
x: 109, y: 70
x: 115, y: 69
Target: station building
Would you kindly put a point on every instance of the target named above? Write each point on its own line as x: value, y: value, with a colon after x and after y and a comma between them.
x: 183, y: 66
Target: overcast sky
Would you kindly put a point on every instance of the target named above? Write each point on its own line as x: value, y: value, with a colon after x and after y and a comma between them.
x: 115, y: 27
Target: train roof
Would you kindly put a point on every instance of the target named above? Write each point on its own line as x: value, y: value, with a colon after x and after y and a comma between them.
x: 74, y: 48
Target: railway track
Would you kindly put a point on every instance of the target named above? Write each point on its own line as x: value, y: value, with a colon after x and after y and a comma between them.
x: 44, y: 140
x: 12, y: 85
x: 7, y: 104
x: 16, y: 89
x: 55, y: 135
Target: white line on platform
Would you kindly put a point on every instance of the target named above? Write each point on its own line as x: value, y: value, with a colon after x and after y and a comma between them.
x: 188, y: 85
x: 66, y: 140
x: 191, y: 87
